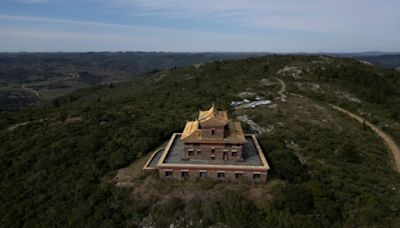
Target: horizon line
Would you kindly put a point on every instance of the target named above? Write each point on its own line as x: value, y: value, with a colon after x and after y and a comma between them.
x: 196, y: 52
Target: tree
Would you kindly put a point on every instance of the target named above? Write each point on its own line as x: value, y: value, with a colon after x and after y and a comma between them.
x: 287, y: 166
x: 238, y: 211
x: 349, y: 153
x: 166, y: 213
x: 56, y: 103
x: 296, y: 199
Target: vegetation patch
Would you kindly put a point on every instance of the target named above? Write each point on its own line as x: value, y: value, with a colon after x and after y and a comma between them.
x: 328, y: 170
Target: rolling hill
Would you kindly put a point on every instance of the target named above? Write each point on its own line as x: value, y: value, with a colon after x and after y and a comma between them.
x: 63, y: 163
x: 29, y: 79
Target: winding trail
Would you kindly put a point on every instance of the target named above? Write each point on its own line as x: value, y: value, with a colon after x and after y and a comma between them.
x: 394, y: 148
x: 283, y: 88
x: 391, y: 144
x: 31, y: 90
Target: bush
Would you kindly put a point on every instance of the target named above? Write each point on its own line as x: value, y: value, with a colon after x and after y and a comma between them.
x: 296, y: 198
x: 168, y: 212
x: 348, y: 152
x: 238, y: 211
x: 287, y: 166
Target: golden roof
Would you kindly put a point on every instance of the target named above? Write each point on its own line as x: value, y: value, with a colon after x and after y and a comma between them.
x: 236, y: 132
x: 190, y: 128
x: 213, y: 115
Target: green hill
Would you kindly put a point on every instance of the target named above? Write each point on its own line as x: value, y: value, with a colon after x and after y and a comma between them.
x: 29, y: 79
x: 58, y: 162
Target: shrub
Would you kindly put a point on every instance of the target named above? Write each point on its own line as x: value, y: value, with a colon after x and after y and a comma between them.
x: 238, y: 211
x: 168, y: 212
x: 287, y: 166
x: 296, y: 198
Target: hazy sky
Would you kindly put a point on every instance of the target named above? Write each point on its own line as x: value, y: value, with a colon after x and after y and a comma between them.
x: 200, y: 25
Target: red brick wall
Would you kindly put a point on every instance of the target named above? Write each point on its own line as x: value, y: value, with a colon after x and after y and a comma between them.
x: 219, y: 132
x: 230, y: 175
x: 204, y: 151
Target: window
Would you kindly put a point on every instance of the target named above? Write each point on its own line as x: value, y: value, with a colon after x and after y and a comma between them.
x: 203, y: 174
x: 221, y: 175
x: 185, y: 174
x: 213, y: 150
x: 169, y: 174
x: 238, y: 175
x: 234, y: 154
x: 212, y: 157
x: 191, y: 153
x: 198, y: 151
x: 256, y: 176
x: 213, y: 131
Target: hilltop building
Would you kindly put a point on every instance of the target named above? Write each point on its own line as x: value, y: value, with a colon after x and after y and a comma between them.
x: 212, y: 146
x: 213, y: 137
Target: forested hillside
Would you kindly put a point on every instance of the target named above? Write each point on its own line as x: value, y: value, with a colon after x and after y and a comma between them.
x: 29, y: 79
x: 58, y: 162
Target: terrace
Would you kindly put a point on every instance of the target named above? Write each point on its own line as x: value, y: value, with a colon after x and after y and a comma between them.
x: 171, y: 155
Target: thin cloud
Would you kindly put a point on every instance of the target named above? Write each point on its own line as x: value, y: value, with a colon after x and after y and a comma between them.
x: 63, y: 21
x: 29, y: 1
x: 98, y: 36
x: 307, y: 15
x: 209, y: 25
x: 15, y: 33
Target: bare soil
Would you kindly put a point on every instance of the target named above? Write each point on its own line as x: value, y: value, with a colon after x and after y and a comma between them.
x: 282, y: 90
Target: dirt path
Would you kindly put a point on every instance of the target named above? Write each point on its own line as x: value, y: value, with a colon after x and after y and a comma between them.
x: 31, y: 90
x: 394, y: 148
x: 283, y: 88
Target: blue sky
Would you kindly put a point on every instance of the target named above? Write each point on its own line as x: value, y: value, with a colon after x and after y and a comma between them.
x: 200, y: 25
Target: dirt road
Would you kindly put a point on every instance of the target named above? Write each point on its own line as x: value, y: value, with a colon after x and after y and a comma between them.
x: 283, y: 88
x: 394, y: 148
x: 31, y: 90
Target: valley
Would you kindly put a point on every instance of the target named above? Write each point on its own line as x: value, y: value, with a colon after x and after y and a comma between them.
x: 31, y: 79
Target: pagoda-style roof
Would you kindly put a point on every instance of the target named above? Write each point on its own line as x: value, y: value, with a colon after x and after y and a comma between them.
x: 235, y: 132
x: 213, y: 117
x: 191, y: 129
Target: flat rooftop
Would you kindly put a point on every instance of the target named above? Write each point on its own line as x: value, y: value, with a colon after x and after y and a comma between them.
x: 250, y: 154
x: 253, y: 156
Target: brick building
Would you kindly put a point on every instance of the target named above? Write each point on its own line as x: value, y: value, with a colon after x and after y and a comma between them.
x: 211, y: 147
x: 213, y: 137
